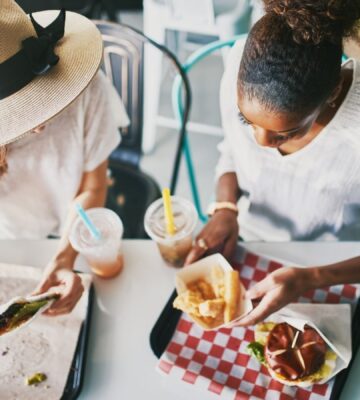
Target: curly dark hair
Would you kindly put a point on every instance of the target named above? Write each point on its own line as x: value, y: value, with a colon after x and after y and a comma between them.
x: 292, y: 57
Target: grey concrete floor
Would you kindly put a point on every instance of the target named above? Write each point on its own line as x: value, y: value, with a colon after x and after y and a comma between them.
x: 204, y: 80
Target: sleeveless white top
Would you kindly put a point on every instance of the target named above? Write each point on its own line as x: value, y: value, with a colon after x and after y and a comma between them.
x: 312, y: 194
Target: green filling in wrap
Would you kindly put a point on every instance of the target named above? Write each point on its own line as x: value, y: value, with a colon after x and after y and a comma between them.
x: 26, y: 312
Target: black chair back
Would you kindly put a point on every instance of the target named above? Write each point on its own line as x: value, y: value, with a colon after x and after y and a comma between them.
x: 85, y: 7
x: 130, y: 190
x: 123, y: 63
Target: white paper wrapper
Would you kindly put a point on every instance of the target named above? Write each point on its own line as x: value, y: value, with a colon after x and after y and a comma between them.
x: 45, y: 345
x: 201, y: 270
x: 332, y: 322
x: 21, y: 299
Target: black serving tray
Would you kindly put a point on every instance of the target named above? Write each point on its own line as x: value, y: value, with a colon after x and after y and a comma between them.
x: 165, y: 326
x: 341, y: 377
x: 75, y: 378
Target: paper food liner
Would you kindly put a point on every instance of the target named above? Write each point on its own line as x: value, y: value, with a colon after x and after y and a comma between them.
x: 21, y: 299
x: 45, y: 345
x: 331, y: 321
x: 202, y: 270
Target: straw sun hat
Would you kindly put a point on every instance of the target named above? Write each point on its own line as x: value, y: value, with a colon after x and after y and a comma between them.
x: 44, y: 65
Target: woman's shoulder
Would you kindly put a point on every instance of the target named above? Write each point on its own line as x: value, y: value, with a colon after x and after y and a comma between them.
x: 99, y: 85
x: 344, y: 127
x: 349, y: 113
x: 101, y: 95
x: 235, y: 54
x: 229, y: 78
x: 352, y: 66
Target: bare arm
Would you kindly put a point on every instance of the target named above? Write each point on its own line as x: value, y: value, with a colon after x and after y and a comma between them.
x: 92, y: 193
x: 228, y: 188
x: 343, y: 272
x: 221, y: 232
x: 285, y: 285
x: 58, y: 273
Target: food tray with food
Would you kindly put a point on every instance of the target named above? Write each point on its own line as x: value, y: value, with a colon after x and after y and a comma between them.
x: 300, y: 345
x: 218, y: 360
x: 41, y: 357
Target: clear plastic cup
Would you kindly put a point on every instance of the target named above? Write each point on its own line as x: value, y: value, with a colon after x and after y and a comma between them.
x: 104, y: 255
x: 173, y: 248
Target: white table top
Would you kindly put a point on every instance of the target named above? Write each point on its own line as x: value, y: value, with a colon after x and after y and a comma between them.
x: 120, y: 363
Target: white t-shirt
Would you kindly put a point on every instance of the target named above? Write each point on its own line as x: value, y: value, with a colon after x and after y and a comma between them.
x: 45, y: 169
x: 257, y: 10
x: 312, y: 194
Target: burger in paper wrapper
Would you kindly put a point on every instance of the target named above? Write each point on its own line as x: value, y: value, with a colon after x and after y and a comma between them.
x: 292, y: 356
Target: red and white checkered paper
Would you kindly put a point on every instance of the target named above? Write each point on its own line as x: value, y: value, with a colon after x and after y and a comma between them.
x: 217, y: 361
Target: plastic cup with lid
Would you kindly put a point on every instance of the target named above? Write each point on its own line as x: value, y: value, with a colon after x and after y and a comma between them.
x: 173, y: 248
x: 104, y: 254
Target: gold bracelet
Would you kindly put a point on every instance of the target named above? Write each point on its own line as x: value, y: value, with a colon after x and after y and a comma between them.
x: 222, y: 205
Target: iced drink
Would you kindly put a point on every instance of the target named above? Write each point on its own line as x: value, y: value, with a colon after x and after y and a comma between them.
x: 173, y: 248
x: 104, y: 255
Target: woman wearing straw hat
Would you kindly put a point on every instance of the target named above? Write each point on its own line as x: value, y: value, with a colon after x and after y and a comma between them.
x: 291, y: 152
x: 57, y: 129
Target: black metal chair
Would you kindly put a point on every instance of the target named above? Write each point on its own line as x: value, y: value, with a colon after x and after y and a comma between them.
x: 130, y: 191
x: 89, y: 8
x: 123, y: 64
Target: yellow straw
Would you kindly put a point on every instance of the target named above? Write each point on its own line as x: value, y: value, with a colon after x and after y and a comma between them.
x: 169, y: 216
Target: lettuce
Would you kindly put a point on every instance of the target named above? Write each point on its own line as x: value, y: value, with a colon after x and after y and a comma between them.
x: 256, y: 350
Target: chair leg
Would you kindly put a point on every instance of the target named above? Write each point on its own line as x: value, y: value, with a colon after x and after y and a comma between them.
x: 152, y: 74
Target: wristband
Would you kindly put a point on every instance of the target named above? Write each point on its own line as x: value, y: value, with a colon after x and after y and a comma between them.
x: 222, y: 205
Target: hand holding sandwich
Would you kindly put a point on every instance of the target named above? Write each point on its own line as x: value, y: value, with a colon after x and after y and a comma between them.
x: 59, y: 277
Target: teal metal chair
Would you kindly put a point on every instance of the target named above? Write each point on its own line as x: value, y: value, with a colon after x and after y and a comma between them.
x: 178, y: 109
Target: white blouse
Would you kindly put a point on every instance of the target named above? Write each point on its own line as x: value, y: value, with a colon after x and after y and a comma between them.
x: 45, y: 169
x: 312, y: 194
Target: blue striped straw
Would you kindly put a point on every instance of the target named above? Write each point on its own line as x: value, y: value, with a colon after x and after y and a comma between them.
x: 87, y: 221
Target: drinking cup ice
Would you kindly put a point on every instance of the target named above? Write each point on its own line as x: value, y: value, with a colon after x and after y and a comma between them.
x: 104, y: 255
x: 173, y: 248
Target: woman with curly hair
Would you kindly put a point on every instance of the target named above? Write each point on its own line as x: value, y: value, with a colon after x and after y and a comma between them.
x: 290, y: 160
